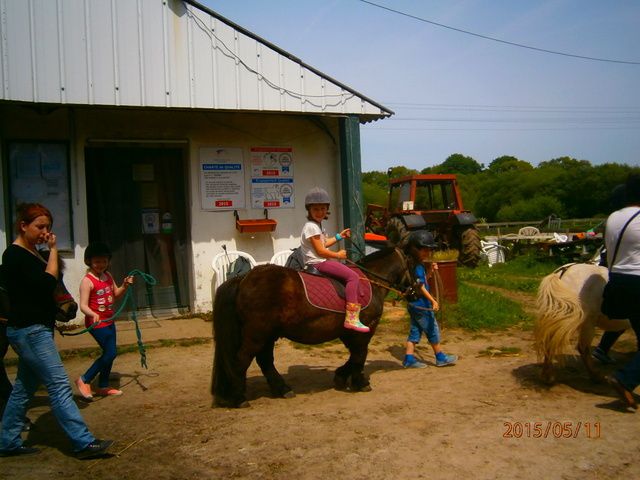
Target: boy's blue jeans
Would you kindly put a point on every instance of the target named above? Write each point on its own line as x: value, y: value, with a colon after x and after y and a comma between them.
x: 106, y: 338
x: 423, y: 321
x: 39, y: 363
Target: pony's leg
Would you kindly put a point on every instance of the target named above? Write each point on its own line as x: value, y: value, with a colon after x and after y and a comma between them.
x: 276, y: 383
x: 587, y: 332
x: 228, y: 384
x: 354, y: 366
x: 548, y: 373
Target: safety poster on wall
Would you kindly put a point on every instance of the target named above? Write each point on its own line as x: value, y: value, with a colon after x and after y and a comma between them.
x: 221, y: 178
x: 272, y: 177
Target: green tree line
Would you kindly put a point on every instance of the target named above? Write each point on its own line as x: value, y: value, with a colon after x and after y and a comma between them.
x: 510, y: 189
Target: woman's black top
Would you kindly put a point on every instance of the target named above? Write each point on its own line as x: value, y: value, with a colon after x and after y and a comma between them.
x: 30, y: 289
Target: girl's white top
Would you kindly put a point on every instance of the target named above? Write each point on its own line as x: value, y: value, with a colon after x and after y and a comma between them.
x: 311, y: 229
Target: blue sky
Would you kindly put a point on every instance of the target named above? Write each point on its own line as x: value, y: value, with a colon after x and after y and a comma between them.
x: 457, y: 93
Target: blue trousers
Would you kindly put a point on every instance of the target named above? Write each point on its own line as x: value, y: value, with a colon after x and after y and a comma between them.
x: 5, y: 384
x: 39, y: 363
x: 629, y: 375
x: 423, y: 321
x: 106, y: 338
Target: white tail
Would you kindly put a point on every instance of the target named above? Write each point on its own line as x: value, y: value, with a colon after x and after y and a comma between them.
x: 559, y: 319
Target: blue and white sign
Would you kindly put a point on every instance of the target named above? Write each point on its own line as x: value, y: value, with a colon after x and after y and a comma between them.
x: 221, y: 178
x: 272, y: 177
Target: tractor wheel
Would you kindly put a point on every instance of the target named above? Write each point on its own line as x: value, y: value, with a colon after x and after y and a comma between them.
x: 397, y: 232
x: 470, y: 247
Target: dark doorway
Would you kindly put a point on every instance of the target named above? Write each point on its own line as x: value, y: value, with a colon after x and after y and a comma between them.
x: 137, y: 205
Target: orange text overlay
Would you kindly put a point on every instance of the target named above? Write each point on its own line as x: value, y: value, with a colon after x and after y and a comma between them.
x: 551, y: 429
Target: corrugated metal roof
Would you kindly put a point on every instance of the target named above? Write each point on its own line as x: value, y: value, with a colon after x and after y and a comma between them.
x: 157, y: 53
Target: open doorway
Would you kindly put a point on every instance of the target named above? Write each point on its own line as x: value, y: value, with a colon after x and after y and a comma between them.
x: 137, y: 205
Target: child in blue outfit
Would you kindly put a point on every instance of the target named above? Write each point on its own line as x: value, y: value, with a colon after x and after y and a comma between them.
x: 423, y: 320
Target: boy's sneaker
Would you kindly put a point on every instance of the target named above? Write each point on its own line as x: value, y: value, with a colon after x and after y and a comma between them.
x: 21, y: 450
x: 97, y: 448
x: 445, y: 360
x: 109, y: 391
x: 414, y: 364
x: 84, y: 389
x: 602, y: 357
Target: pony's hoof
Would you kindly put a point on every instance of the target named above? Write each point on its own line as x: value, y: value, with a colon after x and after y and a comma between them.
x: 226, y: 403
x: 289, y: 394
x: 548, y: 379
x: 366, y: 388
x: 340, y: 384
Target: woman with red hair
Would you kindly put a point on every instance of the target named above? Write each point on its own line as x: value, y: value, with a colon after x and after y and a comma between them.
x: 32, y: 278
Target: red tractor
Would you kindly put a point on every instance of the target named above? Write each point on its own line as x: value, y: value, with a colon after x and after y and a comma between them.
x: 431, y: 202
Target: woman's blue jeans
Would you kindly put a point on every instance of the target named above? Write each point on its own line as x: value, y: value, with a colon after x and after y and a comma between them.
x: 39, y: 363
x: 106, y: 338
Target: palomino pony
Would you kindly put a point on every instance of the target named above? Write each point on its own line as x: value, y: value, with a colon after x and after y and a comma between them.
x: 252, y: 312
x: 568, y: 305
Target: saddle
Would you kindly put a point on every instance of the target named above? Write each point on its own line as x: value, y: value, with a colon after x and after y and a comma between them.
x: 327, y: 293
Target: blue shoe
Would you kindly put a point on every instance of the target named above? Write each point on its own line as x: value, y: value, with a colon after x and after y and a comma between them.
x: 602, y: 357
x: 414, y: 364
x: 446, y: 360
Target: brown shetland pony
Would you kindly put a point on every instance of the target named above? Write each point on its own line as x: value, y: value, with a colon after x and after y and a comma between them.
x: 568, y: 312
x: 251, y: 312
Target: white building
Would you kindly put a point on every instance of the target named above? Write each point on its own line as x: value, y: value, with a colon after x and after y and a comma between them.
x: 146, y: 124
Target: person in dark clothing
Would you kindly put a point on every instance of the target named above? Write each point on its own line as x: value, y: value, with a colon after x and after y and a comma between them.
x: 32, y: 278
x: 601, y: 353
x: 622, y: 239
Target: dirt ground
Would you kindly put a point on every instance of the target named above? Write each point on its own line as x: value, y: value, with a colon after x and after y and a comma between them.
x: 473, y: 420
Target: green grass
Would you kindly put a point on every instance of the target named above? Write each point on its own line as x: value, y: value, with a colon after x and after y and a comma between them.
x: 481, y: 309
x: 522, y: 274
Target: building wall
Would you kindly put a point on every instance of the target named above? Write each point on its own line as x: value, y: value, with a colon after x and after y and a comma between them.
x: 316, y: 162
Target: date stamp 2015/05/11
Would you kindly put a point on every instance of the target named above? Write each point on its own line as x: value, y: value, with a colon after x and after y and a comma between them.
x: 551, y: 429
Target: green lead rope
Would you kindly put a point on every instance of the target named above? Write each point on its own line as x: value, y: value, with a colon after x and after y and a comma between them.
x: 128, y: 297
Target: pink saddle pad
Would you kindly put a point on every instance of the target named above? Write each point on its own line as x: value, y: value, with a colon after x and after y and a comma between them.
x: 321, y: 291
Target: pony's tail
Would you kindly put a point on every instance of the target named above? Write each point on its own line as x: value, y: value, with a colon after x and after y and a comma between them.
x: 227, y: 338
x: 559, y: 317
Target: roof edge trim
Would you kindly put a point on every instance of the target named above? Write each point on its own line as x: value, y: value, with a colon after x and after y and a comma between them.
x: 284, y: 53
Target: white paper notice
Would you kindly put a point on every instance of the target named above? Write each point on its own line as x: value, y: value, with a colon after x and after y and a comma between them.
x: 221, y: 178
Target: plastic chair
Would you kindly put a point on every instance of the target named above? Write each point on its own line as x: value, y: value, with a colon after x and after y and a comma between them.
x: 528, y: 231
x: 493, y: 252
x: 281, y: 257
x: 223, y: 260
x: 560, y: 237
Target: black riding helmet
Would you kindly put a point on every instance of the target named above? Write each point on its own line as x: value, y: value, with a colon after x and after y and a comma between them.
x: 421, y: 239
x: 96, y: 249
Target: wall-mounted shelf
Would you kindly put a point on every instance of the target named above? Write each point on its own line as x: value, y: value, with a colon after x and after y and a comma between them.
x: 255, y: 225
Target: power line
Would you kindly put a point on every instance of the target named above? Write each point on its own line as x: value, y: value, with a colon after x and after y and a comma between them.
x: 519, y: 120
x: 515, y: 108
x: 486, y: 37
x: 367, y: 128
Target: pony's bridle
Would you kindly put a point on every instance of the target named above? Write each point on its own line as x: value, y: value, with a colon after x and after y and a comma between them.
x: 389, y: 285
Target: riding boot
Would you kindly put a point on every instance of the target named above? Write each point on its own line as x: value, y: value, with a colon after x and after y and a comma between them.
x: 352, y: 318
